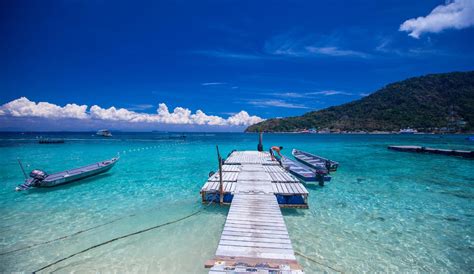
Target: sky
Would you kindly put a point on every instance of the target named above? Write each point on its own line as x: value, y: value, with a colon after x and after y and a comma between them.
x: 214, y: 65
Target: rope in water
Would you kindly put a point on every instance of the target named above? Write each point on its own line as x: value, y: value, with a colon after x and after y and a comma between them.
x: 82, y: 231
x: 124, y: 236
x: 118, y: 238
x: 314, y: 261
x: 66, y: 236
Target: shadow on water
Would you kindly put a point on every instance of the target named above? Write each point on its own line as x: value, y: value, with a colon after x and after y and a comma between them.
x: 313, y: 186
x: 292, y: 212
x: 71, y: 184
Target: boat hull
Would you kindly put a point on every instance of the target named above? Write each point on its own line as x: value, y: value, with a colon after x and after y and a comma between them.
x: 74, y: 178
x: 314, y: 161
x: 69, y: 176
x: 304, y: 173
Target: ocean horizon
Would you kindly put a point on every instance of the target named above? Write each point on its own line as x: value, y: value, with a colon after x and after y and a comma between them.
x: 383, y: 211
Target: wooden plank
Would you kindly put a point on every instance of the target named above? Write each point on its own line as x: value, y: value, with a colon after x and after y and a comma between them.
x: 254, y: 243
x: 255, y: 229
x: 255, y: 252
x: 251, y: 239
x: 250, y: 214
x: 260, y: 231
x: 250, y: 224
x: 255, y: 235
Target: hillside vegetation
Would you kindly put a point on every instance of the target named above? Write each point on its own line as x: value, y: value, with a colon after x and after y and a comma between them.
x: 426, y: 103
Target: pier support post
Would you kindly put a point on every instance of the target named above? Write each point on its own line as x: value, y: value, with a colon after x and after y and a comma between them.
x: 221, y: 185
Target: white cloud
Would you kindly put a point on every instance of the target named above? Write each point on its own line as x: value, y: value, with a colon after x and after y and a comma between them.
x: 287, y: 45
x: 243, y: 118
x: 213, y: 84
x: 334, y: 51
x: 275, y: 103
x: 230, y: 55
x: 23, y: 107
x: 329, y: 93
x: 457, y: 14
x: 289, y: 95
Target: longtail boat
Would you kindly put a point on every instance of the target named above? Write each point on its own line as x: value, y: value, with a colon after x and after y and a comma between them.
x: 314, y: 161
x: 39, y: 178
x: 305, y: 173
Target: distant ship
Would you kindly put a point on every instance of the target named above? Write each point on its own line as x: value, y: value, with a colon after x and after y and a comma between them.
x: 408, y: 131
x: 104, y: 133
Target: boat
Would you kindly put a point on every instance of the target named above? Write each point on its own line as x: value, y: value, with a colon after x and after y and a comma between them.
x: 305, y: 173
x: 314, y: 161
x: 408, y: 131
x: 104, y: 133
x: 177, y: 137
x: 50, y: 141
x: 39, y: 178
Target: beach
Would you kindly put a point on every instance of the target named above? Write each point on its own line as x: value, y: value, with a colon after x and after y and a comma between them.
x: 382, y: 211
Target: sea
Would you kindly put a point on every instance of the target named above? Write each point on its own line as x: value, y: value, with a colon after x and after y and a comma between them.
x: 383, y: 211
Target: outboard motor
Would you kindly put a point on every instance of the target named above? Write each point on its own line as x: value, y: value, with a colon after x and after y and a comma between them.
x: 38, y: 174
x: 36, y: 177
x: 320, y: 174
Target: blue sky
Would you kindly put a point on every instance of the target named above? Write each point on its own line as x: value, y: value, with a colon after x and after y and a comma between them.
x: 267, y: 58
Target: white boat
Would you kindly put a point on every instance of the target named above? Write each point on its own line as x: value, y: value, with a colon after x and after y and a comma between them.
x: 104, y: 133
x: 408, y: 131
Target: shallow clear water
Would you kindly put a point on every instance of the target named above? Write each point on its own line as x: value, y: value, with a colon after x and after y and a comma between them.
x: 383, y: 210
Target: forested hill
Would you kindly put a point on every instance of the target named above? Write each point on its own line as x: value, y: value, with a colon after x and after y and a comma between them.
x: 425, y: 103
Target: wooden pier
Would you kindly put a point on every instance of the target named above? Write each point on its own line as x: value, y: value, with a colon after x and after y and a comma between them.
x: 255, y: 238
x: 449, y: 152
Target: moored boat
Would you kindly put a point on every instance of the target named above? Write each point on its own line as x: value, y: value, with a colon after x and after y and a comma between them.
x: 39, y: 178
x: 104, y: 133
x: 50, y: 141
x: 408, y: 131
x: 305, y: 173
x: 314, y: 161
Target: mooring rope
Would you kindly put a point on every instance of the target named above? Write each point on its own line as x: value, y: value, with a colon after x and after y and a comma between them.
x: 124, y: 236
x: 118, y: 238
x: 66, y: 236
x: 314, y: 261
x: 78, y: 232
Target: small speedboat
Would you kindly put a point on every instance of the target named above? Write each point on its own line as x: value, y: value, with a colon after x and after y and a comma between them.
x: 104, y: 133
x: 314, y: 161
x: 305, y: 173
x: 39, y: 178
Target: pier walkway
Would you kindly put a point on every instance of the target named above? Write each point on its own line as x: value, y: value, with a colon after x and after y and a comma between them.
x: 255, y: 237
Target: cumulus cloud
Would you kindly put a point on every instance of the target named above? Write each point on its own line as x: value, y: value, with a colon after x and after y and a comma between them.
x: 23, y: 107
x: 457, y: 14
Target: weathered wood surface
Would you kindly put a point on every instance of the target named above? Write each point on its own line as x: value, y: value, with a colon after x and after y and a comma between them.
x: 255, y: 238
x: 250, y: 157
x: 255, y: 232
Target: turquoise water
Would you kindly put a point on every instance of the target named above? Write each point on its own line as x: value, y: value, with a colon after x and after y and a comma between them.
x: 383, y: 210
